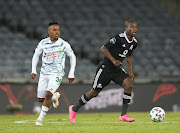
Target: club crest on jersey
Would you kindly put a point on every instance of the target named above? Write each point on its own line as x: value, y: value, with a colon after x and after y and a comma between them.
x: 59, y: 50
x: 113, y: 40
x: 50, y: 54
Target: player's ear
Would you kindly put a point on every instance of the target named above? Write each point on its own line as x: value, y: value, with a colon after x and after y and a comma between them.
x: 126, y: 27
x: 48, y: 31
x: 49, y: 28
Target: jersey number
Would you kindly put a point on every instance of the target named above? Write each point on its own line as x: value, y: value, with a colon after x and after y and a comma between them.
x: 124, y: 53
x: 58, y: 79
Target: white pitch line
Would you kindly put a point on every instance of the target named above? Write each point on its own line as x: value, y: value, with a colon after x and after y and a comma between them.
x: 32, y: 121
x: 47, y: 121
x: 22, y: 121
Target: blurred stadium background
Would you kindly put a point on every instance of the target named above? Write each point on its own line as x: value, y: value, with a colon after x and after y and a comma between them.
x: 87, y: 25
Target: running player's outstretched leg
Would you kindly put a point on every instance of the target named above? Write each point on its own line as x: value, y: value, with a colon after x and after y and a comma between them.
x: 83, y: 100
x: 45, y: 107
x: 127, y: 85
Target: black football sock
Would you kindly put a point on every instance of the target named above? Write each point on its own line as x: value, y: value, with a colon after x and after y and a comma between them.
x: 83, y: 100
x: 126, y: 101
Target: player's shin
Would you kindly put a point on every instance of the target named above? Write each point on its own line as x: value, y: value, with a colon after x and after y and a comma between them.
x: 43, y: 112
x: 126, y: 101
x: 83, y: 100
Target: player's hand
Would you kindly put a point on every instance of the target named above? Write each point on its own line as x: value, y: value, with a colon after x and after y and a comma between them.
x: 131, y: 75
x: 71, y: 80
x: 117, y: 62
x: 33, y: 75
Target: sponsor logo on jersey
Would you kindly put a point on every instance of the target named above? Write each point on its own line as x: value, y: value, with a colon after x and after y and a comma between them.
x: 113, y: 40
x: 50, y: 54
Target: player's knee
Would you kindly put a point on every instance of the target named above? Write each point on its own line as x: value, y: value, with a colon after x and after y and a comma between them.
x: 128, y: 86
x: 48, y: 95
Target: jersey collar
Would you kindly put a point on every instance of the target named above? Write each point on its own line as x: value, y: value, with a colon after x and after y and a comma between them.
x: 127, y: 38
x: 51, y: 41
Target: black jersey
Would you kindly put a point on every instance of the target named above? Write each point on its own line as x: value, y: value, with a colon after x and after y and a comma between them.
x: 119, y: 47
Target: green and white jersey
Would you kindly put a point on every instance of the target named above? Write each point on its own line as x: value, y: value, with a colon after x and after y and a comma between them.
x: 53, y: 57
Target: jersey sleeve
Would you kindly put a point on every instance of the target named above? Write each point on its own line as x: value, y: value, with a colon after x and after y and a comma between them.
x: 72, y: 57
x: 112, y: 42
x: 38, y: 49
x: 35, y: 58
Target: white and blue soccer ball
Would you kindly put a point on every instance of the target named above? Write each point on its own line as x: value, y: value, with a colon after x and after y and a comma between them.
x: 157, y: 114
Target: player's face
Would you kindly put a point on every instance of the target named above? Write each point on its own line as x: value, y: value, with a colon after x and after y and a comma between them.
x: 131, y: 29
x: 54, y: 32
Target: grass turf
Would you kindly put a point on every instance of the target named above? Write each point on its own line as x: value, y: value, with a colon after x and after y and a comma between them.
x: 89, y: 123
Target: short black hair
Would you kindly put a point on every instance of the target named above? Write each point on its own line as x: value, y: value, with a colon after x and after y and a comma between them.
x: 129, y: 21
x: 52, y: 23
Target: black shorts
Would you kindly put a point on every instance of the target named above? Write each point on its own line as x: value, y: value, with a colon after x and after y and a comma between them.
x: 104, y: 75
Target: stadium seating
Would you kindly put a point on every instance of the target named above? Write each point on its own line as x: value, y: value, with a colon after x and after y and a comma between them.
x: 87, y: 25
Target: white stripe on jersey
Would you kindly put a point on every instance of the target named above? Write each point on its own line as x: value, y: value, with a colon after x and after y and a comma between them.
x: 97, y: 77
x: 124, y: 35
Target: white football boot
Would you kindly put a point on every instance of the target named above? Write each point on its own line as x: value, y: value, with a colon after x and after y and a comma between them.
x: 56, y: 101
x: 38, y: 122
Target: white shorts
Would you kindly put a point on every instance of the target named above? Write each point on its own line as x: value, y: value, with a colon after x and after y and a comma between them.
x: 48, y: 83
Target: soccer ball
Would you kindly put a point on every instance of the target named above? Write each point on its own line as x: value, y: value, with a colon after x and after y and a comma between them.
x: 157, y: 114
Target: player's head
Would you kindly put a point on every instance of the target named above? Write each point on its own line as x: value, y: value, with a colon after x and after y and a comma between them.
x: 54, y: 31
x: 131, y: 28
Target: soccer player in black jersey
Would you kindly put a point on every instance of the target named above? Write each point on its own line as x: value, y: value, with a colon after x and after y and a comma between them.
x: 119, y: 47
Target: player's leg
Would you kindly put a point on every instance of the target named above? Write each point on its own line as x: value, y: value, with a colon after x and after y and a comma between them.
x: 82, y: 101
x: 122, y: 78
x: 85, y: 98
x: 45, y: 107
x: 56, y: 83
x: 101, y: 80
x: 41, y: 93
x: 127, y: 85
x: 53, y: 84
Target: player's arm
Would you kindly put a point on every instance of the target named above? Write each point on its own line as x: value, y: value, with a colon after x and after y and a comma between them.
x: 129, y: 64
x: 72, y: 57
x: 106, y: 52
x: 35, y: 60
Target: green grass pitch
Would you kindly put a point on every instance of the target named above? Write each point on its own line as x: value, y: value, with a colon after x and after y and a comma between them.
x: 89, y: 123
